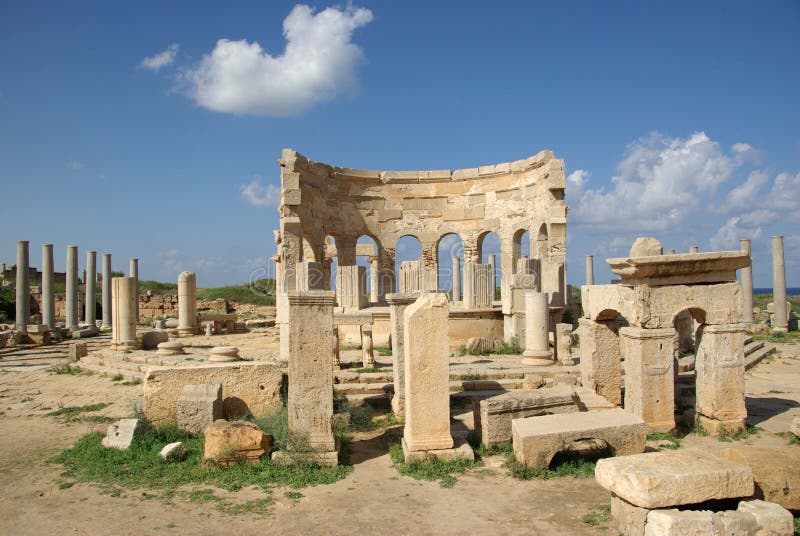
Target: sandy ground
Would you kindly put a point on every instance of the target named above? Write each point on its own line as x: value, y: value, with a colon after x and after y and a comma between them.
x: 374, y: 498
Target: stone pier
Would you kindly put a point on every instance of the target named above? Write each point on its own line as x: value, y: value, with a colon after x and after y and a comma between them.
x: 48, y: 292
x: 90, y: 313
x: 456, y: 279
x: 106, y: 291
x: 719, y: 369
x: 398, y: 302
x: 374, y: 280
x: 337, y: 363
x: 537, y: 326
x: 23, y: 290
x: 747, y: 286
x: 600, y: 358
x: 133, y: 271
x: 124, y: 298
x: 367, y: 349
x: 649, y: 356
x: 72, y: 288
x: 781, y: 322
x: 187, y: 304
x: 589, y: 270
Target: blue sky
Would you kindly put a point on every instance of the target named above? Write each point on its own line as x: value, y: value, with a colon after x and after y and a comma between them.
x: 128, y: 128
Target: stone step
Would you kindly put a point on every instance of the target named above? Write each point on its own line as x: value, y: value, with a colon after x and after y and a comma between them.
x: 752, y: 346
x: 754, y: 358
x: 349, y: 389
x: 748, y: 339
x: 113, y: 364
x: 108, y: 371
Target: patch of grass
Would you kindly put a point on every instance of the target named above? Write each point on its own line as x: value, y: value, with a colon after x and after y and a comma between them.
x: 462, y: 350
x: 117, y: 377
x: 383, y: 350
x: 797, y: 526
x: 64, y: 369
x: 598, y: 516
x: 293, y: 495
x: 430, y: 468
x: 135, y: 381
x: 482, y: 451
x: 699, y: 430
x: 368, y: 370
x: 738, y: 435
x: 791, y: 336
x: 675, y: 441
x: 260, y: 292
x: 72, y: 414
x: 565, y: 463
x: 790, y: 437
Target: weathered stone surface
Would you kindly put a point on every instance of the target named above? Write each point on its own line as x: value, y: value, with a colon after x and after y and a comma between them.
x: 236, y: 441
x: 121, y: 434
x: 645, y: 246
x: 629, y: 519
x: 776, y: 473
x: 679, y: 523
x: 170, y: 348
x: 199, y: 406
x: 795, y: 427
x: 670, y: 478
x: 260, y: 323
x: 173, y: 451
x: 223, y: 354
x: 692, y: 268
x: 600, y: 358
x: 772, y: 519
x: 532, y: 381
x: 250, y: 387
x: 734, y: 522
x: 719, y: 367
x: 537, y: 439
x: 151, y: 339
x: 77, y: 350
x: 171, y: 323
x: 493, y: 415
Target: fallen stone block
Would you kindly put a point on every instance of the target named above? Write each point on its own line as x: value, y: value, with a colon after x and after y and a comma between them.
x: 629, y: 519
x: 77, y: 350
x: 671, y: 478
x: 679, y: 522
x: 537, y: 439
x: 151, y: 339
x: 199, y: 406
x: 121, y: 434
x: 734, y: 523
x: 231, y: 442
x: 776, y: 473
x: 493, y: 415
x: 532, y: 381
x: 260, y: 323
x: 772, y: 519
x: 173, y: 452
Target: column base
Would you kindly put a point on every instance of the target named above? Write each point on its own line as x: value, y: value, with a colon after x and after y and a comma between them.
x: 325, y: 459
x: 125, y: 346
x: 428, y: 444
x: 721, y: 427
x: 184, y: 332
x: 105, y: 326
x: 460, y: 452
x: 538, y: 357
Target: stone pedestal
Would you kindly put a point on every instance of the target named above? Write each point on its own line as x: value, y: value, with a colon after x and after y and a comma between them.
x: 48, y: 292
x: 367, y: 350
x: 781, y: 322
x: 600, y: 360
x: 106, y: 297
x: 310, y: 397
x: 72, y: 288
x: 90, y: 313
x: 478, y: 285
x: 747, y: 286
x: 123, y: 332
x: 456, y: 278
x: 23, y: 290
x: 133, y: 271
x: 351, y: 287
x: 398, y: 303
x: 719, y: 367
x: 187, y: 304
x: 224, y: 354
x: 564, y: 344
x: 649, y: 356
x: 537, y: 324
x: 589, y: 270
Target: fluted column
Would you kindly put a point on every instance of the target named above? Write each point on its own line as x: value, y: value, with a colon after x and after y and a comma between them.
x: 134, y: 273
x: 106, y: 291
x: 72, y: 288
x: 187, y: 303
x: 23, y: 291
x: 781, y: 319
x: 48, y: 293
x: 456, y: 278
x: 589, y: 270
x: 747, y: 285
x: 91, y: 288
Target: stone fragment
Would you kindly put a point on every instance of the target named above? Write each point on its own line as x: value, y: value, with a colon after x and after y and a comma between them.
x: 795, y: 427
x: 151, y: 339
x: 772, y: 519
x: 121, y: 434
x: 173, y: 452
x: 532, y: 381
x: 628, y: 518
x: 170, y: 348
x: 260, y: 323
x: 645, y: 246
x: 209, y: 329
x: 564, y: 344
x: 227, y: 442
x: 734, y: 523
x: 565, y: 379
x: 776, y: 473
x: 171, y: 323
x: 367, y: 350
x: 679, y: 523
x: 199, y: 406
x: 670, y: 478
x: 77, y: 350
x: 223, y: 354
x: 537, y: 439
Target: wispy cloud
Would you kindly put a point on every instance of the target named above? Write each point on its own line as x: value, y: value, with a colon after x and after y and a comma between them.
x: 163, y: 59
x: 258, y: 195
x: 74, y: 165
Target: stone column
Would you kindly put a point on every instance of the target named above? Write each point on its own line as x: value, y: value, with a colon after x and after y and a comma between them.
x: 781, y: 322
x: 427, y: 376
x: 694, y: 249
x: 123, y: 296
x: 337, y: 363
x: 367, y: 349
x: 310, y: 396
x: 600, y: 359
x: 398, y: 302
x: 374, y: 278
x: 90, y: 313
x: 649, y: 356
x: 719, y: 367
x: 134, y: 273
x: 72, y: 288
x: 187, y: 304
x: 589, y: 270
x: 564, y: 344
x: 493, y: 276
x: 456, y: 278
x: 23, y: 290
x: 537, y: 326
x: 106, y: 291
x: 747, y: 285
x: 48, y: 292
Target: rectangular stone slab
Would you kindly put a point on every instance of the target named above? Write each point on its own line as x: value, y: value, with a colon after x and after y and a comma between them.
x: 671, y: 478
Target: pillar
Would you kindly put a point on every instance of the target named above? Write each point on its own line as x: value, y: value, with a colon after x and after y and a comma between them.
x: 351, y: 287
x: 374, y: 277
x: 564, y: 344
x: 427, y: 376
x: 310, y: 394
x: 429, y: 266
x: 719, y: 369
x: 90, y: 314
x: 48, y: 292
x: 649, y: 356
x: 72, y: 288
x: 187, y: 304
x: 124, y: 298
x: 694, y: 249
x: 781, y: 319
x: 398, y: 302
x: 106, y: 297
x: 134, y: 273
x: 600, y: 359
x: 493, y: 276
x: 456, y: 278
x: 537, y: 326
x: 747, y: 285
x: 589, y: 270
x: 337, y: 363
x: 367, y: 349
x: 478, y: 286
x: 386, y: 262
x: 23, y: 290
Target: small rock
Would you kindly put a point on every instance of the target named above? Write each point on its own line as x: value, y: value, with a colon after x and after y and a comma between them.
x: 171, y: 323
x: 173, y: 452
x: 565, y: 379
x: 795, y: 427
x: 229, y: 442
x: 121, y: 434
x: 151, y: 339
x: 532, y: 381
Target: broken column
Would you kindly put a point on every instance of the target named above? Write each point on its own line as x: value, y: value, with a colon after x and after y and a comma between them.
x: 456, y: 278
x: 187, y: 304
x: 123, y: 296
x: 23, y: 290
x: 48, y: 291
x: 398, y: 302
x: 133, y: 271
x: 719, y: 369
x: 374, y: 280
x: 747, y: 285
x: 600, y: 360
x: 106, y: 297
x: 90, y: 314
x: 72, y: 288
x: 564, y: 344
x: 649, y: 356
x: 367, y: 350
x: 694, y: 249
x: 537, y: 326
x: 781, y: 319
x: 589, y: 270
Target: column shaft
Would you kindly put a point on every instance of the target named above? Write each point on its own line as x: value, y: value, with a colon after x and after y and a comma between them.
x: 48, y: 292
x: 134, y: 273
x: 589, y: 270
x: 106, y: 291
x: 781, y: 322
x: 91, y: 288
x: 23, y: 290
x: 72, y: 288
x: 747, y: 285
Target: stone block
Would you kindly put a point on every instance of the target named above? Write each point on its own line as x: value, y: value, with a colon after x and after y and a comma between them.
x: 532, y: 381
x: 629, y: 519
x: 600, y: 358
x: 537, y: 439
x: 77, y: 350
x: 670, y: 478
x: 493, y: 415
x: 121, y: 434
x: 776, y: 473
x: 734, y: 523
x: 151, y: 339
x: 199, y: 406
x: 645, y: 246
x: 227, y: 442
x: 679, y: 523
x: 772, y: 519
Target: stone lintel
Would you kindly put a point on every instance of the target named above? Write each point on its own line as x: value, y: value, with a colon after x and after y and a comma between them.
x: 644, y: 333
x: 311, y: 297
x: 404, y: 298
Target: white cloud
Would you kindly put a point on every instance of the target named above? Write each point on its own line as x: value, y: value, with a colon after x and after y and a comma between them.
x: 73, y: 165
x: 577, y: 180
x: 742, y: 196
x: 173, y: 263
x: 318, y: 64
x: 158, y: 61
x: 260, y: 196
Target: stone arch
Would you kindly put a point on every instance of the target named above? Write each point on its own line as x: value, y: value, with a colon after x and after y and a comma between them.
x: 367, y: 255
x: 449, y: 246
x: 542, y: 246
x: 689, y: 323
x: 521, y: 247
x: 606, y: 445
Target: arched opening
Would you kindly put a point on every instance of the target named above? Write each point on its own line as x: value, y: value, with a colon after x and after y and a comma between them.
x: 449, y: 248
x: 367, y: 256
x: 408, y: 252
x: 521, y: 246
x: 489, y: 253
x: 601, y: 354
x: 541, y: 242
x: 689, y: 324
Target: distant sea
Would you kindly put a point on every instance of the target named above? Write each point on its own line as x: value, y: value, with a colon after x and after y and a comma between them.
x: 790, y: 291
